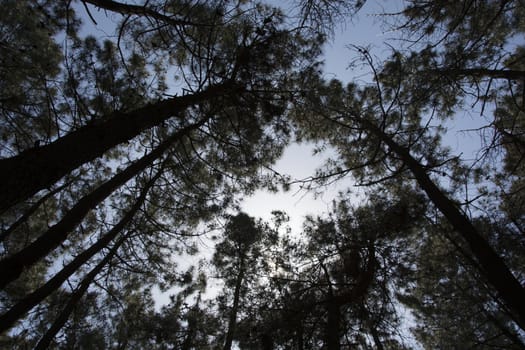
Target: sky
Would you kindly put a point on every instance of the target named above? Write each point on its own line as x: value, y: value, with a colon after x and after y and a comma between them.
x: 298, y: 160
x: 366, y: 29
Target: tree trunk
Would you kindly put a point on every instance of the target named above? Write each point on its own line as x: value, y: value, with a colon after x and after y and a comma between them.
x: 333, y: 325
x: 494, y: 268
x: 232, y: 323
x: 377, y: 339
x: 300, y: 336
x: 61, y: 319
x: 11, y: 267
x: 31, y: 300
x: 508, y: 333
x: 5, y: 234
x: 37, y: 168
x: 333, y: 308
x: 128, y: 9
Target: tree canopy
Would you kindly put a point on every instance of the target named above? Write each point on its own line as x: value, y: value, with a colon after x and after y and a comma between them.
x: 132, y: 130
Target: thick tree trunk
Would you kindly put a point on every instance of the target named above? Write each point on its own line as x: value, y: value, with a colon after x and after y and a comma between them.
x: 31, y: 300
x: 363, y: 281
x: 266, y: 341
x: 12, y: 267
x: 5, y: 234
x: 128, y: 9
x: 508, y: 333
x: 333, y: 309
x: 37, y: 168
x: 62, y: 318
x: 232, y: 322
x: 494, y: 268
x: 333, y: 325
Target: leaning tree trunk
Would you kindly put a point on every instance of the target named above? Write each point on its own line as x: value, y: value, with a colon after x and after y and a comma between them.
x: 138, y: 10
x: 62, y: 318
x: 494, y: 268
x: 30, y: 211
x: 31, y: 300
x: 37, y: 168
x: 11, y: 267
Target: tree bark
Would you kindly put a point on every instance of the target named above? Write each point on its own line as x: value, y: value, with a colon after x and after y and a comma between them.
x: 31, y: 300
x: 37, y: 168
x: 509, y: 334
x: 128, y: 9
x: 333, y: 325
x: 232, y: 322
x: 333, y: 309
x: 62, y: 318
x: 5, y: 234
x: 11, y: 267
x: 495, y: 269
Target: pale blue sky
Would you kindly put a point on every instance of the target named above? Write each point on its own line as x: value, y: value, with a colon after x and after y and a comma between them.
x: 365, y: 29
x: 298, y: 161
